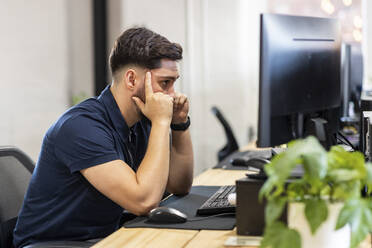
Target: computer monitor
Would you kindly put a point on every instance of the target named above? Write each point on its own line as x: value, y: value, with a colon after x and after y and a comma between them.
x: 356, y: 73
x: 351, y: 81
x: 299, y: 91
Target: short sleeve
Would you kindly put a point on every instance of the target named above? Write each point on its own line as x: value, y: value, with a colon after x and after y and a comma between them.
x: 82, y: 142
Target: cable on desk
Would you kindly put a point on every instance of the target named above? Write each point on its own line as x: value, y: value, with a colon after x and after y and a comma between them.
x: 346, y: 140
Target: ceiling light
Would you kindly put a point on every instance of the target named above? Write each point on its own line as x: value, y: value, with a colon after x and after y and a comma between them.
x: 347, y: 2
x: 358, y: 22
x: 357, y: 35
x: 327, y: 7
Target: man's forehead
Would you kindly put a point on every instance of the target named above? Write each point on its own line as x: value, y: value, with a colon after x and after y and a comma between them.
x: 168, y: 68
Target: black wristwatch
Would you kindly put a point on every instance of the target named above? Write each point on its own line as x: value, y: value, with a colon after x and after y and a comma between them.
x: 181, y: 126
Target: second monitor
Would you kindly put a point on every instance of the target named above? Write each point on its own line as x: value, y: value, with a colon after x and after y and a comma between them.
x: 300, y: 87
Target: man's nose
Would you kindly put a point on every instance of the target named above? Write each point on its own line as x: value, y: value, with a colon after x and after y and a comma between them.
x: 171, y: 92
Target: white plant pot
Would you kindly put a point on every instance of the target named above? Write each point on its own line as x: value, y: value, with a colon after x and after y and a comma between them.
x: 325, y: 236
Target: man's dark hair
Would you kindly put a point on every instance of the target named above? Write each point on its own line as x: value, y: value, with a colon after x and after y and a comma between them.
x: 142, y: 47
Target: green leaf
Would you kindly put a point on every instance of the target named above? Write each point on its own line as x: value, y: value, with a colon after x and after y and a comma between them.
x: 369, y: 177
x: 278, y: 235
x: 282, y: 164
x: 346, y: 190
x: 274, y: 208
x: 316, y: 212
x: 347, y: 173
x: 342, y: 175
x: 268, y: 187
x: 315, y: 165
x: 338, y: 158
x: 296, y: 190
x: 346, y: 213
x: 357, y: 213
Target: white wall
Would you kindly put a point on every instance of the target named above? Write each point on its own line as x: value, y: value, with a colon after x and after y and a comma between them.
x: 80, y: 48
x: 229, y: 76
x: 38, y: 66
x: 33, y: 75
x: 220, y: 66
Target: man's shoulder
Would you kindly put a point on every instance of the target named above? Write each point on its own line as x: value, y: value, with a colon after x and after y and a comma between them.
x: 83, y: 116
x: 88, y: 109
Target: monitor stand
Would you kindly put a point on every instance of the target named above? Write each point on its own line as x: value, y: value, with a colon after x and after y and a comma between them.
x: 320, y: 131
x: 315, y: 126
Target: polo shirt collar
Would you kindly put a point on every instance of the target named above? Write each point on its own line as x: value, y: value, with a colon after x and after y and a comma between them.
x: 114, y: 113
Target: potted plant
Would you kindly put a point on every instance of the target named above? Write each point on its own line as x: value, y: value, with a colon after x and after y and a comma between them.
x: 325, y: 206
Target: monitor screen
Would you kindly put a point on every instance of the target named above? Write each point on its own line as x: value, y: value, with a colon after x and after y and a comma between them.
x: 356, y: 69
x: 299, y: 76
x: 351, y: 82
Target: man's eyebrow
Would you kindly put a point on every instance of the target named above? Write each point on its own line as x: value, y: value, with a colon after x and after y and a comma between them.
x: 169, y: 77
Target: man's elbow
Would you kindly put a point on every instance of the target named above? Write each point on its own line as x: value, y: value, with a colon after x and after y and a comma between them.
x: 182, y: 192
x: 143, y: 207
x: 181, y: 189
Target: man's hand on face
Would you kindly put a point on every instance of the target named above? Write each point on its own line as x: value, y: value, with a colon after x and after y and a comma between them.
x: 180, y: 108
x: 158, y: 107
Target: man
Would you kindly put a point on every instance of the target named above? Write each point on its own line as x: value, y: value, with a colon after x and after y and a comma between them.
x: 113, y: 152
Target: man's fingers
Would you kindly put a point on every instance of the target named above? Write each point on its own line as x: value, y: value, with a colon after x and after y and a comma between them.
x: 183, y: 99
x: 176, y: 99
x: 139, y: 103
x: 148, y: 85
x: 180, y: 99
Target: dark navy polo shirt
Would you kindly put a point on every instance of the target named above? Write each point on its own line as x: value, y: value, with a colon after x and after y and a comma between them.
x: 60, y: 204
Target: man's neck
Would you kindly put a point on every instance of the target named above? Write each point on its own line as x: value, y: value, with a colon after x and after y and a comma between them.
x: 125, y: 103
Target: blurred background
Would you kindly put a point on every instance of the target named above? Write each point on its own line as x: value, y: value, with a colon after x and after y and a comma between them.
x: 54, y: 55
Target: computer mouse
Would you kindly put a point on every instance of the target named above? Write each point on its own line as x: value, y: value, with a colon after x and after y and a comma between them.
x: 239, y: 161
x: 257, y: 163
x: 166, y: 215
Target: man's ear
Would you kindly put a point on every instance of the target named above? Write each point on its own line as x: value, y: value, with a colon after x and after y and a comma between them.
x: 130, y: 79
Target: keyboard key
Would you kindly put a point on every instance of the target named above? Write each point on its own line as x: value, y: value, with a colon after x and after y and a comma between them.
x: 218, y: 202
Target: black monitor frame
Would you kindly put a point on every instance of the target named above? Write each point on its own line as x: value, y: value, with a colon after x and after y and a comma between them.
x: 300, y: 60
x: 351, y: 81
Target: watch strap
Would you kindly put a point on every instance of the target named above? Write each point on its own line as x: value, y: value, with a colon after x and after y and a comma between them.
x: 181, y: 126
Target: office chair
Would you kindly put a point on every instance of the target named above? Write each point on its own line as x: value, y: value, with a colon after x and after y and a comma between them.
x: 15, y: 173
x: 231, y: 145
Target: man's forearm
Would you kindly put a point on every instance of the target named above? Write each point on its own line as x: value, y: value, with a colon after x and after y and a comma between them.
x: 137, y: 192
x: 181, y: 163
x: 152, y: 173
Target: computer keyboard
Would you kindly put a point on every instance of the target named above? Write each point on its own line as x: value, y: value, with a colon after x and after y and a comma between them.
x: 218, y: 202
x: 266, y: 153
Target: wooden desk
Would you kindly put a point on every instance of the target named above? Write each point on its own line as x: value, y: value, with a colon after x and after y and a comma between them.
x: 152, y: 237
x: 174, y: 238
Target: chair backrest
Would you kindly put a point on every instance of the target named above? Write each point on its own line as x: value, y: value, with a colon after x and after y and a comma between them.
x: 15, y: 173
x: 231, y: 144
